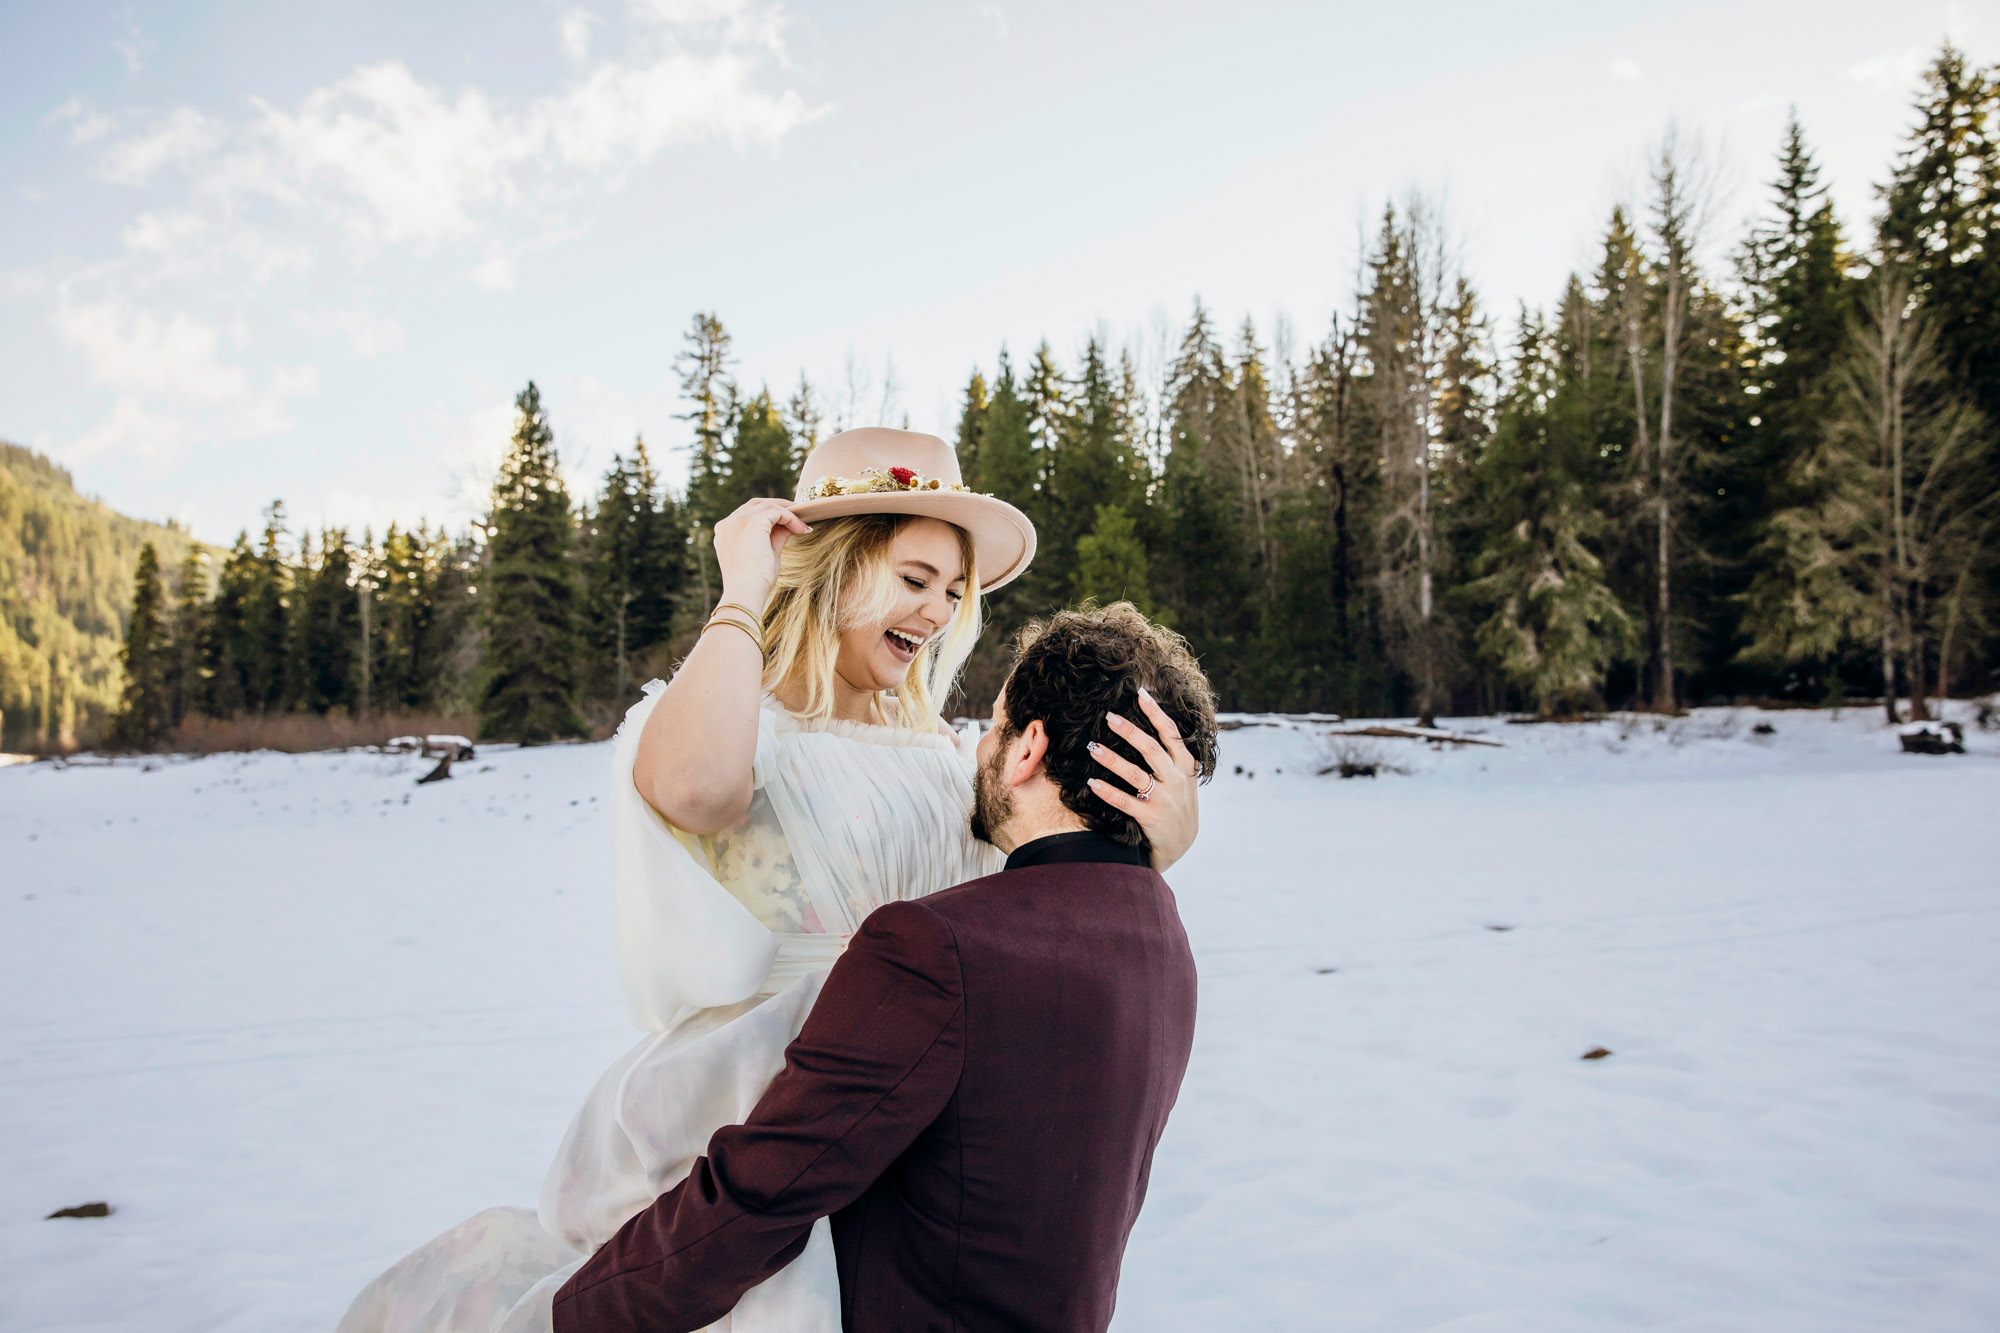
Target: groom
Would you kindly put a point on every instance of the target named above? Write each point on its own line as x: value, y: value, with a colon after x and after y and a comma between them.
x: 977, y: 1093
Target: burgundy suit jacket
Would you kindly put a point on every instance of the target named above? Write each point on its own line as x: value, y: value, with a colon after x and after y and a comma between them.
x: 974, y: 1099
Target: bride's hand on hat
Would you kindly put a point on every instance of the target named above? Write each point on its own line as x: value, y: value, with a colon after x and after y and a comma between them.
x: 747, y: 545
x: 1170, y: 811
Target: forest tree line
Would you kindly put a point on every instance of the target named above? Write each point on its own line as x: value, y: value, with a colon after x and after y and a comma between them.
x: 1775, y: 476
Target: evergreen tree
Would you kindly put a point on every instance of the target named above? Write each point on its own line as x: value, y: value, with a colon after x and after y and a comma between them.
x: 529, y: 688
x: 1206, y: 586
x: 1323, y: 605
x: 1793, y: 271
x: 144, y: 715
x: 761, y: 458
x: 1111, y: 561
x: 325, y: 626
x: 235, y: 647
x: 1941, y: 215
x: 1912, y: 433
x: 1552, y: 626
x: 710, y: 394
x: 266, y: 613
x: 1096, y: 465
x: 634, y: 562
x: 804, y: 420
x: 190, y: 635
x: 971, y: 426
x: 1007, y: 463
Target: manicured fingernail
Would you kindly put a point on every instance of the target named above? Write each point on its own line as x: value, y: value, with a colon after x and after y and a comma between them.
x: 1093, y: 747
x: 1145, y: 693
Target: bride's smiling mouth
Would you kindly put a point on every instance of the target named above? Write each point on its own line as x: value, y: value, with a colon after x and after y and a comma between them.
x: 903, y: 644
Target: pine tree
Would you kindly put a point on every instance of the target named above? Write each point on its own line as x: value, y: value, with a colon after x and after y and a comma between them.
x: 230, y: 626
x: 144, y: 715
x: 529, y: 688
x: 1323, y: 603
x: 192, y: 640
x: 710, y: 394
x: 326, y: 626
x: 1905, y: 421
x: 971, y: 426
x: 634, y: 561
x: 1793, y: 270
x: 1941, y: 215
x: 1111, y: 561
x: 1095, y: 464
x: 1404, y: 331
x: 1552, y: 627
x: 1206, y: 586
x: 805, y: 420
x: 266, y: 613
x: 761, y: 458
x: 1007, y: 463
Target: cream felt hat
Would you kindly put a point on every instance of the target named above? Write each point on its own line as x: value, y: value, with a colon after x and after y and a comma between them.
x: 875, y: 470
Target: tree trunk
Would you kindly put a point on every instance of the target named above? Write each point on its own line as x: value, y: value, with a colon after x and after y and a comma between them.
x: 367, y: 624
x: 624, y: 600
x: 1671, y: 322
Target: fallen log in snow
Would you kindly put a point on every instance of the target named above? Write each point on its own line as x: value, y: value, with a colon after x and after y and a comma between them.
x: 1435, y: 735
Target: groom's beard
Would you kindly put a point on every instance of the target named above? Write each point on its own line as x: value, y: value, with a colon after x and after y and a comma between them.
x: 992, y: 802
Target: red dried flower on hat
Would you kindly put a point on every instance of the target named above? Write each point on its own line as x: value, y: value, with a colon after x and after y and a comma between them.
x: 903, y: 476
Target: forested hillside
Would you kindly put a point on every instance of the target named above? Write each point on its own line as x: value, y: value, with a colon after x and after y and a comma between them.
x: 66, y: 567
x: 1713, y: 466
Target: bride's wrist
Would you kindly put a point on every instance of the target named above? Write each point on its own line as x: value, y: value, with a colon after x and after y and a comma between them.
x: 746, y: 594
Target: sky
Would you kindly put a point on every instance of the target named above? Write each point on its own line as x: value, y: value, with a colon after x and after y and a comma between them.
x: 253, y: 251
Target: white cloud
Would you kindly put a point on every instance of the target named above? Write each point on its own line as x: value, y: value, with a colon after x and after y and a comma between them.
x: 405, y: 164
x: 575, y: 26
x: 992, y: 14
x: 495, y: 273
x: 1892, y: 71
x: 85, y: 121
x: 161, y: 232
x: 177, y: 139
x: 134, y: 47
x: 415, y: 163
x: 172, y: 387
x: 1625, y: 69
x: 368, y: 335
x: 739, y: 22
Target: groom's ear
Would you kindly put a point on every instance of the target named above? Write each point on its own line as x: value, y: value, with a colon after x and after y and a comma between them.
x: 1025, y: 756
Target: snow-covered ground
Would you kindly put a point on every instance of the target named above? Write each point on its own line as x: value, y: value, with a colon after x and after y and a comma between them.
x: 292, y: 1015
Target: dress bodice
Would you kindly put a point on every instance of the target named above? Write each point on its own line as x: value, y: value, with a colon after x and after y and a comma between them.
x: 843, y: 817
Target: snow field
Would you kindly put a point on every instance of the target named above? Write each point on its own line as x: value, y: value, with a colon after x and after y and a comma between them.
x: 291, y: 1023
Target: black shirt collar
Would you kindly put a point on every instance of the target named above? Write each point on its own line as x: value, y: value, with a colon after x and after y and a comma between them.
x: 1083, y: 845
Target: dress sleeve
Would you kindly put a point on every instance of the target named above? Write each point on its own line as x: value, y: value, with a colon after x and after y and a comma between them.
x: 878, y: 1059
x: 684, y: 941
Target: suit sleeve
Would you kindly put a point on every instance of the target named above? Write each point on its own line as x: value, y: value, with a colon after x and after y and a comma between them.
x: 877, y: 1060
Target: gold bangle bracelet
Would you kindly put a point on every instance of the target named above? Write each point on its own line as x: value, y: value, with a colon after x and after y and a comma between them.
x: 754, y: 618
x: 735, y: 624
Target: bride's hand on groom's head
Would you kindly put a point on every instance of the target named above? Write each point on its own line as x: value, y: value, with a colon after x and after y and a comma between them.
x: 1170, y: 809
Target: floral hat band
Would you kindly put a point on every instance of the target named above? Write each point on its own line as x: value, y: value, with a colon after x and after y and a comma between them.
x: 875, y: 470
x: 876, y: 481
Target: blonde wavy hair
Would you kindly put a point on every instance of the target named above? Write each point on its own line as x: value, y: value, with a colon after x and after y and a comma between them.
x: 838, y: 576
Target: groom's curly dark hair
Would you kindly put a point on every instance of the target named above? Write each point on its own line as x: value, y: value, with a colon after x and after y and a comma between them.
x: 1078, y: 665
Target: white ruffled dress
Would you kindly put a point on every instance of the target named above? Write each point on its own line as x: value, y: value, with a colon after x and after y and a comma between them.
x: 723, y: 942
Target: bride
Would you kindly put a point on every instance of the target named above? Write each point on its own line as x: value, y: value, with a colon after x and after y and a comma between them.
x: 794, y: 776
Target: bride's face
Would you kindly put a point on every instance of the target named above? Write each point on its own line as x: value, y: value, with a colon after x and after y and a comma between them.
x: 929, y: 574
